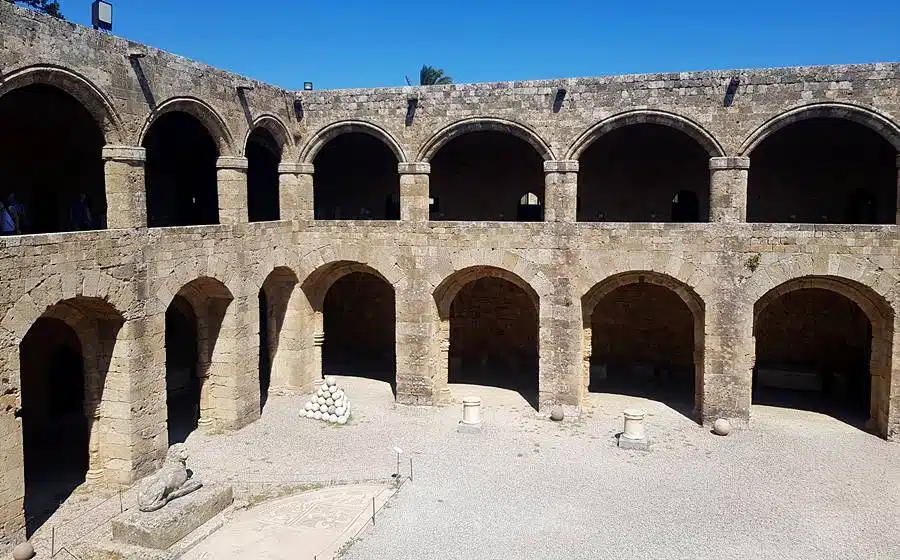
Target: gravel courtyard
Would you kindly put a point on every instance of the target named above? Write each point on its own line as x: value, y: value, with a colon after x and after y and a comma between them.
x: 799, y: 485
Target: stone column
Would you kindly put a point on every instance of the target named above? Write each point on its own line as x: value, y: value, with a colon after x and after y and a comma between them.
x: 126, y: 199
x: 231, y: 175
x: 295, y: 191
x: 728, y: 189
x: 414, y: 186
x: 560, y: 190
x: 318, y: 342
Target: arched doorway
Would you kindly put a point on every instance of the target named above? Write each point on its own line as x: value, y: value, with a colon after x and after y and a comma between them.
x: 813, y: 170
x: 194, y: 320
x: 180, y: 173
x: 489, y: 330
x: 644, y: 337
x: 51, y: 160
x: 359, y: 327
x: 263, y: 157
x: 481, y: 176
x: 355, y: 174
x: 633, y: 173
x: 823, y: 345
x: 64, y: 359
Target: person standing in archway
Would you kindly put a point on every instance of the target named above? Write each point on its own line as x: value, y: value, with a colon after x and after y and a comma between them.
x: 21, y: 216
x: 81, y: 214
x: 8, y: 220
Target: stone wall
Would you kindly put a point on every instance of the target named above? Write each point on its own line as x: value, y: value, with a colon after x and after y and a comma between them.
x: 127, y: 276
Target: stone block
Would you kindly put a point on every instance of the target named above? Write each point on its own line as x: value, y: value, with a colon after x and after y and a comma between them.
x: 162, y: 528
x: 628, y: 443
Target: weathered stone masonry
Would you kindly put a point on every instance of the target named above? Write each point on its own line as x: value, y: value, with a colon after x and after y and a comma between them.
x: 113, y: 287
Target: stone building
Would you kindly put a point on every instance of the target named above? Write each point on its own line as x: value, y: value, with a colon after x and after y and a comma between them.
x: 703, y: 237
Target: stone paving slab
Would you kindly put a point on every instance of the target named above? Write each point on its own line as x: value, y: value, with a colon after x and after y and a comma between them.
x: 306, y: 526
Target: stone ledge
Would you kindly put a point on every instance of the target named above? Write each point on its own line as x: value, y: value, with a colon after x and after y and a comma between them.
x: 561, y: 166
x: 230, y: 162
x: 124, y: 153
x: 296, y: 168
x: 162, y: 528
x: 735, y: 162
x: 419, y: 168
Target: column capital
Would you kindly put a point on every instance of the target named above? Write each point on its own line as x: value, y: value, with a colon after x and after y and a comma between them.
x: 124, y: 153
x: 561, y: 166
x: 231, y: 162
x: 414, y: 168
x: 296, y: 168
x: 729, y: 162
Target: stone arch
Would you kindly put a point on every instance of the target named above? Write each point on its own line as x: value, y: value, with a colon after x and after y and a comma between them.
x: 277, y: 129
x: 476, y: 301
x: 881, y: 317
x: 76, y: 85
x: 89, y: 409
x: 445, y: 292
x: 688, y: 296
x: 479, y: 124
x: 320, y: 138
x: 881, y: 124
x: 203, y: 112
x: 93, y: 285
x: 214, y: 270
x: 640, y: 116
x: 351, y: 321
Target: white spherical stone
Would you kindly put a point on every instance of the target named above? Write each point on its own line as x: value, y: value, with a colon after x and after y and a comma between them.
x: 333, y: 389
x: 309, y: 413
x: 329, y: 401
x: 332, y: 418
x: 339, y: 393
x: 340, y: 410
x: 342, y: 420
x: 24, y: 551
x: 317, y: 415
x: 321, y: 400
x: 721, y: 427
x: 331, y: 409
x: 338, y: 402
x: 330, y: 381
x: 323, y: 408
x: 320, y: 392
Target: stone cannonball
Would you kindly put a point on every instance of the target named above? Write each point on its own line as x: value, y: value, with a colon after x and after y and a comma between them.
x: 317, y: 415
x: 23, y: 551
x: 342, y: 420
x: 330, y: 381
x: 329, y: 401
x: 331, y: 409
x: 333, y: 389
x: 721, y: 427
x: 557, y: 413
x: 321, y: 400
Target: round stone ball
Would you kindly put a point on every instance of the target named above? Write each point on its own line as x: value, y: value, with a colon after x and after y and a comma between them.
x: 721, y: 427
x: 321, y: 400
x: 338, y: 402
x: 331, y: 409
x: 320, y: 392
x: 329, y: 401
x: 333, y: 389
x: 342, y: 420
x: 317, y: 415
x: 339, y: 393
x: 309, y: 413
x: 323, y: 408
x: 309, y: 406
x: 23, y: 551
x: 332, y: 418
x: 330, y: 381
x: 340, y: 410
x: 557, y: 413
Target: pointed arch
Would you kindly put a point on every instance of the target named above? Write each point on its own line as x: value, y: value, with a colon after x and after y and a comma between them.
x: 203, y: 112
x: 484, y: 124
x: 642, y: 116
x: 76, y: 85
x: 277, y: 129
x: 879, y: 123
x: 320, y: 138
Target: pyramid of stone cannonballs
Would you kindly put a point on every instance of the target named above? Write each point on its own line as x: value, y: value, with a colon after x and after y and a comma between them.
x: 329, y: 404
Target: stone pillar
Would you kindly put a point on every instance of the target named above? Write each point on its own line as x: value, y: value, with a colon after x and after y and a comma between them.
x: 295, y: 191
x: 560, y: 191
x: 231, y: 176
x: 728, y: 189
x: 318, y: 342
x: 126, y: 198
x: 95, y: 460
x: 414, y: 195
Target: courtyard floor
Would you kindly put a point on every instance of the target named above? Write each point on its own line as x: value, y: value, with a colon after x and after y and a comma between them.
x: 798, y: 485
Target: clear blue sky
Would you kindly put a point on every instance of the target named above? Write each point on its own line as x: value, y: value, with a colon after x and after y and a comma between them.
x: 368, y: 43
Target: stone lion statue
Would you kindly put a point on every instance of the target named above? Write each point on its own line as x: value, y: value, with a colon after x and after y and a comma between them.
x: 170, y: 482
